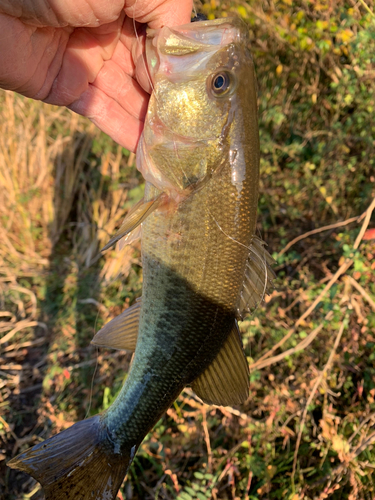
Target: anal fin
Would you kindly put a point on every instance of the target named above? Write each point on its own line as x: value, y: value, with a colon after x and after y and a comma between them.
x: 122, y: 331
x: 134, y: 218
x: 226, y: 380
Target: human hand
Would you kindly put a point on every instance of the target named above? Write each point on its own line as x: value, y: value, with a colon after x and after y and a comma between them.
x: 78, y: 53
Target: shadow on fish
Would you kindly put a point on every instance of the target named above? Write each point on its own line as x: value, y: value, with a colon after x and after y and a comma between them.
x: 203, y: 267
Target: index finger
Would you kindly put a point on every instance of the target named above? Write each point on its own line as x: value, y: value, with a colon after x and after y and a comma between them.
x: 159, y: 13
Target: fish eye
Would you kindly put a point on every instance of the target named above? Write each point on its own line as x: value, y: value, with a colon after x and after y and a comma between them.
x: 221, y: 83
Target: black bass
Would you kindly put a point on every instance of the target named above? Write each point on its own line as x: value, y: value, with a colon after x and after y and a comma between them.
x: 203, y: 268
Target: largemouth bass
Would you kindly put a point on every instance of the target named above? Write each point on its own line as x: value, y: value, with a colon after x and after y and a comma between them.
x: 203, y: 268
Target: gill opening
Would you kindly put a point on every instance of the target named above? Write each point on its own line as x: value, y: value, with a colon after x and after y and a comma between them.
x: 149, y: 77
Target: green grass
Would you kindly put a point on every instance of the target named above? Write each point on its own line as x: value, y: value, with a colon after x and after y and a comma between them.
x: 65, y: 187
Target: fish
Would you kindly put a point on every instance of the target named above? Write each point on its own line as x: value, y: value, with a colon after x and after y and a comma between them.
x: 204, y: 268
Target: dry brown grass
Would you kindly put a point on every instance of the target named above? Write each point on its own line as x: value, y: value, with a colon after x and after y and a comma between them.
x: 45, y: 153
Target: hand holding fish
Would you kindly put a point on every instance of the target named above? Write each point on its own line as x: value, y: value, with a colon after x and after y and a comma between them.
x: 78, y: 53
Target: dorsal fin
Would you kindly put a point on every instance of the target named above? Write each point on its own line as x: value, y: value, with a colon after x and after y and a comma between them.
x: 257, y: 280
x: 134, y: 218
x: 226, y: 380
x: 122, y: 331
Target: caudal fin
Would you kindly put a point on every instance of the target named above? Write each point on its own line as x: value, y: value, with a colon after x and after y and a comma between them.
x: 80, y: 463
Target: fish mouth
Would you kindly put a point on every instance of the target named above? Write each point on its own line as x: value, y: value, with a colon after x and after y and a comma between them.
x: 198, y: 37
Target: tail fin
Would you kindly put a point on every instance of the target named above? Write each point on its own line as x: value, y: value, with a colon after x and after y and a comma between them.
x: 80, y: 463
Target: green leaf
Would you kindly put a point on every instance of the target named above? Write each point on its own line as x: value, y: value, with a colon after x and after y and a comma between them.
x: 190, y: 490
x: 201, y: 496
x: 184, y: 496
x: 198, y: 475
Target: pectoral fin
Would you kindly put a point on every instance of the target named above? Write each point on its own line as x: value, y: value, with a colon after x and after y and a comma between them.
x: 130, y: 237
x: 226, y: 381
x: 122, y: 331
x: 134, y: 218
x: 257, y: 280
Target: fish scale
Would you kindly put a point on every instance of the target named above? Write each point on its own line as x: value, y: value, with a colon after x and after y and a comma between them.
x: 167, y: 268
x: 203, y: 268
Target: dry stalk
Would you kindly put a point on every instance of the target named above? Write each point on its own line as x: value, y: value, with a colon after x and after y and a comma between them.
x: 339, y: 469
x: 362, y: 291
x: 367, y: 419
x: 258, y: 365
x: 223, y: 409
x: 318, y: 230
x: 364, y: 444
x: 207, y: 438
x: 312, y: 394
x: 20, y: 326
x: 364, y: 4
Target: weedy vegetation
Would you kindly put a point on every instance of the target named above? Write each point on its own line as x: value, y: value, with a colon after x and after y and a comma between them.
x: 308, y: 429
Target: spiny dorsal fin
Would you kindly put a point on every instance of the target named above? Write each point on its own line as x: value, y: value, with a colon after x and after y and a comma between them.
x: 80, y: 463
x: 134, y: 218
x: 226, y: 381
x: 258, y: 278
x: 122, y: 331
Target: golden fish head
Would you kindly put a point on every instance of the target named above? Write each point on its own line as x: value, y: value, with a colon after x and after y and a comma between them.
x: 203, y: 99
